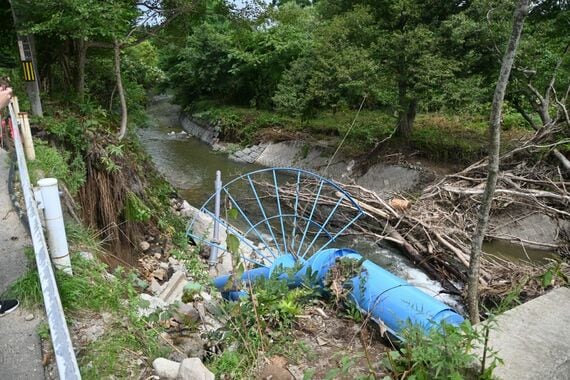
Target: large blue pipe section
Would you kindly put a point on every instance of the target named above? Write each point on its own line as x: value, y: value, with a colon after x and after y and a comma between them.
x: 386, y: 298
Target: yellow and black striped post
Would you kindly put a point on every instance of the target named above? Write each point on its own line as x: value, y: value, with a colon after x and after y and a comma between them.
x: 28, y: 68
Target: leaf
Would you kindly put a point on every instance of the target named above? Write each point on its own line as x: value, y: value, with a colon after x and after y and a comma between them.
x: 232, y: 213
x: 232, y: 243
x: 547, y: 278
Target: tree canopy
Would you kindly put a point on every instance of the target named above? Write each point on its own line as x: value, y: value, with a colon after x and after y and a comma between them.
x: 401, y: 56
x: 301, y: 58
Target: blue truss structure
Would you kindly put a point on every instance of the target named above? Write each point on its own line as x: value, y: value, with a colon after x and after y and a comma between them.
x: 280, y: 211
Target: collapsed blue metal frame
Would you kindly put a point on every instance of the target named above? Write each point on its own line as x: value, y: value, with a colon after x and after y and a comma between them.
x: 280, y: 247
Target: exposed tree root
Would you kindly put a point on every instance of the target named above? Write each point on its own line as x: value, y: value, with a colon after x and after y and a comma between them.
x: 103, y: 200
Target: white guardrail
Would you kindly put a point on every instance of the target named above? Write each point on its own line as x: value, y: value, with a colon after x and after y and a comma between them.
x: 63, y: 348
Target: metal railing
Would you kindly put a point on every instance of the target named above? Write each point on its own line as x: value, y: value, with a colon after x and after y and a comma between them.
x: 63, y: 348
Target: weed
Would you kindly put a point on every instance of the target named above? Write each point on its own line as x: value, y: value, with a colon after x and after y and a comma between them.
x: 195, y: 266
x: 115, y: 353
x: 260, y: 324
x: 51, y: 162
x: 554, y: 272
x: 135, y: 209
x: 230, y: 364
x: 444, y: 353
x: 352, y: 312
x: 27, y: 288
x: 43, y: 330
x: 512, y: 299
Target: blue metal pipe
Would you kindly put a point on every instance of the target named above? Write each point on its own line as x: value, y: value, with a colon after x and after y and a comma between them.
x: 386, y: 298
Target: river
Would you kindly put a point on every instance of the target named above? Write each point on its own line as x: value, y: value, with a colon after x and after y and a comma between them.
x: 190, y: 165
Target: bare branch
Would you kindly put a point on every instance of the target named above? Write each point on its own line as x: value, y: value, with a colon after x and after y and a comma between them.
x: 562, y: 158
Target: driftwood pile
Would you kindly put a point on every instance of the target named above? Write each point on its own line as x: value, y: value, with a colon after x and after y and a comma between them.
x: 435, y: 230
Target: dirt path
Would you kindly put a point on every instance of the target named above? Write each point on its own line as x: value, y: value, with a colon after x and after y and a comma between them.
x: 20, y: 347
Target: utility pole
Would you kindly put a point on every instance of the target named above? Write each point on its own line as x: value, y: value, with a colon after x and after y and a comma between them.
x: 29, y: 67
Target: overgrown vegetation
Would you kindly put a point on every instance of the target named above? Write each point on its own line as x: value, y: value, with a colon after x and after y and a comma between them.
x: 445, y: 353
x: 91, y: 292
x: 439, y: 137
x: 401, y: 59
x: 260, y: 324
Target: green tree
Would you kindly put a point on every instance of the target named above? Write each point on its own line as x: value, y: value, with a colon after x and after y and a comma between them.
x: 236, y: 59
x: 408, y: 48
x: 338, y: 71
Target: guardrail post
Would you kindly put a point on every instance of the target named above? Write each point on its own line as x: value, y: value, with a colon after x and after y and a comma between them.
x: 27, y: 136
x: 57, y: 239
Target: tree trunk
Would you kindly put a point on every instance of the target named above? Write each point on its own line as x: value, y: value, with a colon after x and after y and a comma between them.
x: 121, y: 91
x: 406, y: 112
x: 493, y: 168
x: 81, y: 54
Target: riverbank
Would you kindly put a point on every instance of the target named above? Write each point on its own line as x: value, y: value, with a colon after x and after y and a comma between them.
x: 385, y: 179
x: 394, y: 175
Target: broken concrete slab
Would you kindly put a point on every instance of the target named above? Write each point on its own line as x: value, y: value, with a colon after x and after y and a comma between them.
x: 533, y: 339
x: 174, y: 288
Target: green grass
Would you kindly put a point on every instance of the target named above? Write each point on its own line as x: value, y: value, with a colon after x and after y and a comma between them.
x: 91, y: 289
x: 453, y: 139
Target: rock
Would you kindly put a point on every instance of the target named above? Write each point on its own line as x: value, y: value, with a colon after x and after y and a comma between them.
x: 185, y: 205
x: 166, y: 369
x: 154, y: 304
x: 107, y: 317
x: 87, y: 256
x: 29, y: 317
x: 187, y: 312
x: 194, y: 369
x: 174, y: 288
x: 535, y: 227
x: 155, y: 287
x: 274, y: 372
x: 94, y: 331
x: 157, y: 255
x: 209, y: 323
x: 192, y: 346
x: 144, y: 246
x: 159, y: 273
x: 173, y: 261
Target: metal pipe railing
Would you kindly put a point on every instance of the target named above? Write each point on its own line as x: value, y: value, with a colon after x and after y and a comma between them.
x: 62, y: 346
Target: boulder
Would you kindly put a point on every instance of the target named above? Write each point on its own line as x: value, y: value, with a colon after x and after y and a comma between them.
x: 194, y: 369
x: 166, y: 369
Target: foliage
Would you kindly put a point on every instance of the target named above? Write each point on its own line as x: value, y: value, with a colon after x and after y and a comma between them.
x: 337, y: 72
x: 553, y: 273
x: 444, y: 353
x: 135, y: 209
x: 261, y: 322
x: 93, y: 289
x: 51, y: 162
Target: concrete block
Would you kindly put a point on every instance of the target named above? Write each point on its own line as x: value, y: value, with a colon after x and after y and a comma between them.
x: 174, y: 288
x: 533, y: 339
